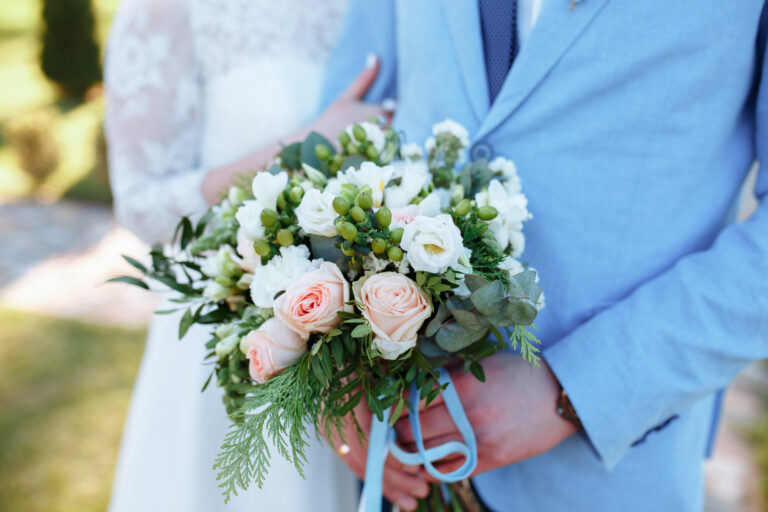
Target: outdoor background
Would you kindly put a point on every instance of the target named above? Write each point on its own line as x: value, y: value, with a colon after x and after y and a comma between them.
x: 70, y: 346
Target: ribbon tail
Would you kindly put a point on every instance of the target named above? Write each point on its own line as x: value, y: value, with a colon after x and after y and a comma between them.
x: 378, y: 448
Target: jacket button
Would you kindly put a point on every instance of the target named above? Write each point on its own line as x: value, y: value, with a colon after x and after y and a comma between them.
x: 481, y: 150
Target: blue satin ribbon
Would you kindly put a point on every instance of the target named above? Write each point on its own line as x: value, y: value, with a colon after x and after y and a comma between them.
x: 381, y: 442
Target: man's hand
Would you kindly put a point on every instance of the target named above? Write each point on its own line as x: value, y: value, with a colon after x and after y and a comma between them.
x: 513, y: 415
x: 402, y: 484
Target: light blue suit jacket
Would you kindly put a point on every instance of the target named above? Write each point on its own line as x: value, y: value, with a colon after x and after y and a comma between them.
x: 633, y: 124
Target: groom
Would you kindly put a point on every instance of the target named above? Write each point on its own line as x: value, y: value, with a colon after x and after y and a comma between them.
x: 633, y: 124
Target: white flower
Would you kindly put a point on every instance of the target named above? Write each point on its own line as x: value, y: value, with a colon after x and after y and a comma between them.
x: 433, y: 244
x: 373, y: 133
x: 512, y: 212
x: 517, y: 242
x: 250, y: 260
x: 227, y: 345
x: 333, y: 186
x: 511, y: 266
x: 274, y: 277
x: 216, y: 292
x: 462, y: 268
x: 411, y: 151
x: 249, y: 218
x: 508, y: 170
x: 221, y: 263
x: 430, y: 144
x: 431, y: 205
x: 266, y: 188
x: 454, y: 128
x: 315, y: 214
x: 372, y: 175
x: 413, y: 177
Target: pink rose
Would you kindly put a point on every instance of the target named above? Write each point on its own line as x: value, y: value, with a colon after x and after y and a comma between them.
x: 271, y: 349
x: 311, y: 303
x: 396, y: 308
x: 403, y: 215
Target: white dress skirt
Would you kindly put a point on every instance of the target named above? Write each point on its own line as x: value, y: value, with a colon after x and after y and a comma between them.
x: 193, y: 85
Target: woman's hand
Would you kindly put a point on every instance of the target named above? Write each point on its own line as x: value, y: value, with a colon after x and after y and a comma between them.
x: 347, y: 109
x: 349, y: 106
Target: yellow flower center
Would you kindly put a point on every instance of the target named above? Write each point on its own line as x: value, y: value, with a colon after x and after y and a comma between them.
x: 433, y: 249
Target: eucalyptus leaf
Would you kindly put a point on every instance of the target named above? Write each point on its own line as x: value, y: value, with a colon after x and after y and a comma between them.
x: 291, y: 156
x: 441, y: 316
x: 429, y: 348
x: 454, y: 337
x: 352, y: 161
x: 308, y: 155
x: 490, y: 300
x: 521, y: 312
x: 474, y: 282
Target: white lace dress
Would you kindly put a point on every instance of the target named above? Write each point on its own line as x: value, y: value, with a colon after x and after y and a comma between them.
x: 193, y: 85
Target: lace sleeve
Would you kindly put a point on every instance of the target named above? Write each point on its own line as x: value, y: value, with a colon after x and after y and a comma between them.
x: 153, y: 120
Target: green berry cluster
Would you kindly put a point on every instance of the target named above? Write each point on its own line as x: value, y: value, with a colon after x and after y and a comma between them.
x: 361, y: 230
x: 280, y: 226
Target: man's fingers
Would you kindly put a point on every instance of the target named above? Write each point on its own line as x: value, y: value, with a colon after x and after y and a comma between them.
x: 364, y: 80
x: 395, y: 464
x: 397, y: 481
x: 435, y: 422
x: 444, y: 468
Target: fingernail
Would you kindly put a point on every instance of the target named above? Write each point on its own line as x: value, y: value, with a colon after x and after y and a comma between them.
x: 371, y: 60
x: 389, y: 104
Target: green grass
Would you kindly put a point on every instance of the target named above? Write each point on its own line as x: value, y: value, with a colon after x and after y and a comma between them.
x: 64, y: 391
x: 23, y: 88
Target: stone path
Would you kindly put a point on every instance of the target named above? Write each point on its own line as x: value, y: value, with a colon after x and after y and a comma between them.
x: 54, y: 259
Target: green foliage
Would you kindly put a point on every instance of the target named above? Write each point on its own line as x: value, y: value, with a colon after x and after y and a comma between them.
x: 70, y: 55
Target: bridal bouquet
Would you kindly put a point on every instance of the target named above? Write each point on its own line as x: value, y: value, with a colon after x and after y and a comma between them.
x: 341, y: 277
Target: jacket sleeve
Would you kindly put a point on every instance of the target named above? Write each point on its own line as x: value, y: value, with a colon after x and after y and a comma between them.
x: 678, y: 337
x: 369, y: 27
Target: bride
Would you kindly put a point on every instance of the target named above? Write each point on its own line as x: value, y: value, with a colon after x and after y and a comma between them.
x: 200, y: 91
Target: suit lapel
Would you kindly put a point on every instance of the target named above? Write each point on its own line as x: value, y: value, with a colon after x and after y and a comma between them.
x: 464, y: 24
x: 555, y: 31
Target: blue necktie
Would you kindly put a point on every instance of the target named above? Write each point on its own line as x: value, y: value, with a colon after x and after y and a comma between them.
x: 499, y: 24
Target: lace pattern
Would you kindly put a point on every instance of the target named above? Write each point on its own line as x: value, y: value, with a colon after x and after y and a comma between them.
x: 160, y: 57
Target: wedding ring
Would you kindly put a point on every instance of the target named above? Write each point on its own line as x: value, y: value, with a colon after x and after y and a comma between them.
x: 343, y: 449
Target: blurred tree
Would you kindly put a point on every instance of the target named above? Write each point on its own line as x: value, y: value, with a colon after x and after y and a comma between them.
x: 70, y: 55
x: 32, y: 139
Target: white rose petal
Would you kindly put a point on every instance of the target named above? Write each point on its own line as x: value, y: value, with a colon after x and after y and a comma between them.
x: 315, y: 214
x: 508, y: 170
x: 512, y: 212
x: 433, y: 244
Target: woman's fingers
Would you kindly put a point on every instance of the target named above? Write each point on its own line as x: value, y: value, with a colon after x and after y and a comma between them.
x: 364, y: 80
x: 397, y: 483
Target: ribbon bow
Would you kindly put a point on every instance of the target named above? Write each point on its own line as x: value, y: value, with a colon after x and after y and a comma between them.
x: 381, y: 441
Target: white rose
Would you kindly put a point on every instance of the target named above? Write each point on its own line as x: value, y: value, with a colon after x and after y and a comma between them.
x: 431, y: 205
x: 433, y: 244
x: 462, y: 268
x: 266, y: 188
x: 372, y: 175
x: 315, y: 214
x: 373, y: 133
x: 279, y: 273
x: 413, y: 177
x: 249, y: 218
